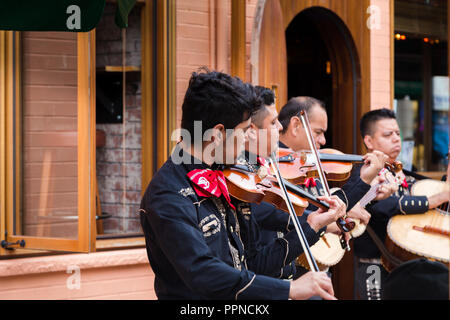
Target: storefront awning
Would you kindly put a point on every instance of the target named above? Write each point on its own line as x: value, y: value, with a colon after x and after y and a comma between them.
x: 58, y: 15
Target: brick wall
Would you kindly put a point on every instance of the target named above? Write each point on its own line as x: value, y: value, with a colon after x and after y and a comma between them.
x: 119, y: 161
x: 380, y: 56
x: 196, y: 40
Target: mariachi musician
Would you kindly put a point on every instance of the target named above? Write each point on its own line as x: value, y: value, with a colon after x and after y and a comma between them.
x: 380, y: 131
x: 293, y: 136
x: 262, y: 142
x: 201, y: 242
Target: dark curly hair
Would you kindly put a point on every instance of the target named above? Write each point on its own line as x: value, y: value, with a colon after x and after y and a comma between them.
x: 268, y: 97
x: 214, y: 97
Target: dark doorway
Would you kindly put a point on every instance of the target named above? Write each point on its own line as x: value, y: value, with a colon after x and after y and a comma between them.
x: 309, y: 65
x: 323, y: 63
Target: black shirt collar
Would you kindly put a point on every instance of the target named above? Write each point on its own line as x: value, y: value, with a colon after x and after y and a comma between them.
x: 282, y: 145
x: 193, y: 163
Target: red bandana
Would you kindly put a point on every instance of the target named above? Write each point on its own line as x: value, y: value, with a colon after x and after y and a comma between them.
x: 310, y: 181
x: 261, y: 161
x: 209, y: 183
x: 404, y: 183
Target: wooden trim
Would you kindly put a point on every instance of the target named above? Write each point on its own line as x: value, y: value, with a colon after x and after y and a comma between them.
x: 221, y: 28
x: 82, y: 143
x: 122, y: 68
x: 212, y: 32
x: 238, y: 32
x: 10, y: 133
x: 392, y: 42
x: 18, y: 131
x: 147, y: 118
x: 54, y: 244
x: 165, y: 78
x: 161, y: 85
x: 10, y: 100
x: 85, y: 142
x: 2, y: 135
x: 436, y: 175
x: 171, y: 73
x: 105, y: 244
x: 93, y: 143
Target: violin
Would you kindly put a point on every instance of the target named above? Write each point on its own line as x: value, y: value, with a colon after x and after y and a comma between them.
x: 296, y: 167
x: 249, y: 186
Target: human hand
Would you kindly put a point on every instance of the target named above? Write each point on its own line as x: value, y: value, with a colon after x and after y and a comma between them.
x: 359, y: 213
x: 373, y: 163
x: 312, y: 284
x: 387, y: 185
x: 436, y: 200
x: 321, y: 218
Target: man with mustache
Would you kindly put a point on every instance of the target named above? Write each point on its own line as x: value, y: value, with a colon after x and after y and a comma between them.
x: 380, y: 131
x: 262, y: 142
x: 293, y: 136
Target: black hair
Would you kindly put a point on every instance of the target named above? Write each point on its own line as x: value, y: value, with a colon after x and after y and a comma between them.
x: 268, y: 98
x: 267, y: 95
x: 217, y: 98
x: 370, y: 118
x: 294, y: 106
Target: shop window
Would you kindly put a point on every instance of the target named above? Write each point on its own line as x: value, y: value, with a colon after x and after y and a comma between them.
x: 422, y: 83
x: 118, y: 114
x: 46, y: 205
x: 67, y: 181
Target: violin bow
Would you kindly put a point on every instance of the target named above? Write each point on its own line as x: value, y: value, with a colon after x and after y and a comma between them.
x: 301, y: 235
x: 305, y: 121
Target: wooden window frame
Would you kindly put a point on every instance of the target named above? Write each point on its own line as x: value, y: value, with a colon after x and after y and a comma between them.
x: 11, y: 145
x: 158, y: 114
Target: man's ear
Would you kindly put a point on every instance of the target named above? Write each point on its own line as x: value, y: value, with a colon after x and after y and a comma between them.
x: 218, y: 134
x: 295, y: 125
x: 368, y: 141
x: 252, y: 132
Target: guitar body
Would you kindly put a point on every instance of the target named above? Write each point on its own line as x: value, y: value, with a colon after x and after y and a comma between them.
x: 358, y: 230
x: 325, y: 256
x: 328, y: 256
x: 407, y: 243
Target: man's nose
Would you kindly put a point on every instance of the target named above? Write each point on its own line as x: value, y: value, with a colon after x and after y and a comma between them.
x: 396, y: 137
x: 279, y: 126
x: 321, y: 140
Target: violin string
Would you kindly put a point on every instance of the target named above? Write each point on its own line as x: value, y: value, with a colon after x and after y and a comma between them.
x: 312, y: 263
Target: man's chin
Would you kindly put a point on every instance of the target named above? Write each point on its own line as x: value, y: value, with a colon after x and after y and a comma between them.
x: 394, y: 155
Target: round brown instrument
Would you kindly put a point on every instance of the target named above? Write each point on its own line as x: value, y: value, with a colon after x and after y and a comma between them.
x: 249, y: 187
x: 326, y: 252
x: 424, y: 235
x: 296, y: 167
